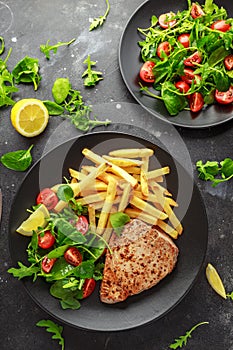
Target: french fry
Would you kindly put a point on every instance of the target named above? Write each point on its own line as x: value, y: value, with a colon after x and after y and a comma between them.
x: 158, y: 172
x: 76, y: 174
x: 144, y: 206
x: 132, y: 152
x: 91, y: 215
x: 168, y: 229
x: 92, y: 176
x: 138, y: 214
x: 108, y: 230
x: 133, y: 170
x: 123, y: 162
x: 92, y: 198
x: 144, y: 183
x: 125, y: 197
x: 173, y: 218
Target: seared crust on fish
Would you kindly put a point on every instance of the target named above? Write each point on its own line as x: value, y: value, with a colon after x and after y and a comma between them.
x: 140, y: 258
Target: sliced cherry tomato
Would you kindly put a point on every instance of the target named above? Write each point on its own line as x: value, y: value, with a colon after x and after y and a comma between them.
x: 88, y: 287
x: 47, y: 264
x: 46, y: 240
x: 193, y: 59
x: 184, y: 39
x: 220, y: 25
x: 189, y: 76
x: 165, y: 20
x: 196, y: 102
x: 48, y: 198
x: 228, y: 62
x: 164, y: 47
x: 73, y: 256
x: 224, y: 97
x: 182, y: 86
x: 196, y: 11
x: 146, y: 72
x: 82, y: 224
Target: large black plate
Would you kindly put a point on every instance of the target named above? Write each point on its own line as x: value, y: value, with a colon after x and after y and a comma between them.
x: 150, y: 304
x: 130, y: 63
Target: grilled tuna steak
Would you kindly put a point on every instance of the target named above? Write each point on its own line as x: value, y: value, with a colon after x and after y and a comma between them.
x: 141, y: 257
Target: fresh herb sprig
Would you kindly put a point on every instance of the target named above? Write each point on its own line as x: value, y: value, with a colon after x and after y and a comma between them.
x: 18, y: 160
x: 46, y: 49
x: 54, y: 328
x: 99, y: 21
x: 182, y: 340
x: 7, y: 86
x: 27, y: 71
x: 91, y: 76
x: 214, y: 171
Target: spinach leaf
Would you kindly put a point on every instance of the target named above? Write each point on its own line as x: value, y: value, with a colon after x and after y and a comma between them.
x: 27, y: 71
x: 60, y: 270
x: 98, y: 273
x: 61, y: 89
x: 53, y: 108
x: 58, y: 252
x: 68, y: 230
x: 85, y: 269
x: 118, y: 220
x: 217, y: 56
x: 67, y: 296
x: 65, y: 193
x: 173, y: 102
x: 19, y: 160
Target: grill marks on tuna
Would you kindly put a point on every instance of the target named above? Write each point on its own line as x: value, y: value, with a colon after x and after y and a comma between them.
x: 141, y: 257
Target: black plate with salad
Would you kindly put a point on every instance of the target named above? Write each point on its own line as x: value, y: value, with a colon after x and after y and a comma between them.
x: 94, y: 315
x: 176, y: 60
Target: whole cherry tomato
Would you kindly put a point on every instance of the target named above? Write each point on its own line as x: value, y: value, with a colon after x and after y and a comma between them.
x: 182, y: 86
x: 184, y: 39
x: 228, y: 62
x: 46, y: 240
x: 196, y: 11
x: 167, y: 20
x: 88, y: 287
x: 221, y: 25
x: 73, y: 256
x: 82, y: 224
x: 146, y: 72
x: 47, y: 264
x: 193, y: 59
x: 48, y: 198
x: 196, y: 102
x: 224, y: 97
x: 164, y: 47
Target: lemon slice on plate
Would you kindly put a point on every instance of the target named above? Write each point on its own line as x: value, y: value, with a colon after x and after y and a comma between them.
x: 35, y: 220
x: 29, y: 117
x: 215, y: 280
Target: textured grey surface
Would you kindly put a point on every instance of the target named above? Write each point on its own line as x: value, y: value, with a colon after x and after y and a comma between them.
x: 27, y: 24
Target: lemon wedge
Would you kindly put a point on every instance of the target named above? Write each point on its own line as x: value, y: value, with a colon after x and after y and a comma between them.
x: 215, y: 280
x: 35, y: 220
x: 29, y: 117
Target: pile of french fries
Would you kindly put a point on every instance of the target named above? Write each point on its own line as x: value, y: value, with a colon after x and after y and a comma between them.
x: 122, y: 182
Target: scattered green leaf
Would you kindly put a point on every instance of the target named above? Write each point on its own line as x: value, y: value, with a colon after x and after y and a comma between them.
x: 215, y: 171
x: 45, y: 49
x: 92, y: 76
x: 118, y: 220
x: 2, y: 48
x: 230, y: 295
x: 23, y: 271
x: 99, y: 21
x: 27, y: 71
x: 65, y: 193
x: 19, y: 160
x: 182, y: 340
x: 54, y: 328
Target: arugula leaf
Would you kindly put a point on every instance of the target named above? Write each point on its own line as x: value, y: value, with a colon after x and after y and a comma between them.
x: 54, y: 328
x: 23, y: 271
x: 99, y: 21
x: 182, y: 340
x: 230, y: 295
x: 27, y: 71
x: 7, y: 86
x: 118, y: 220
x: 45, y: 49
x: 19, y: 160
x: 92, y: 76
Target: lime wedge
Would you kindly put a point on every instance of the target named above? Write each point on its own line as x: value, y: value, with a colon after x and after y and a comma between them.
x: 35, y: 220
x: 215, y: 280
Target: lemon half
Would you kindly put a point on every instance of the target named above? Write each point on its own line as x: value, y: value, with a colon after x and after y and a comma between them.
x: 29, y: 117
x: 35, y: 220
x: 215, y: 280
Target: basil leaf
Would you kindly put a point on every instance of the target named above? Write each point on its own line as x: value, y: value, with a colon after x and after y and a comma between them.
x: 65, y: 193
x: 19, y: 160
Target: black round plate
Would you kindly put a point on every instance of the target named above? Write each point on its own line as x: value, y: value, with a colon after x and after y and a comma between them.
x: 144, y: 307
x: 130, y: 63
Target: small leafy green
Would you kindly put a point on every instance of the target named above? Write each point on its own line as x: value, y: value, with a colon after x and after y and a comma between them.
x: 61, y: 89
x: 53, y: 107
x: 65, y: 193
x: 2, y: 48
x: 27, y: 71
x: 19, y: 160
x: 7, y: 87
x: 92, y: 76
x: 99, y: 21
x: 182, y: 340
x: 68, y: 296
x: 54, y: 328
x: 215, y: 171
x: 45, y: 49
x: 230, y: 295
x: 118, y: 220
x: 24, y: 271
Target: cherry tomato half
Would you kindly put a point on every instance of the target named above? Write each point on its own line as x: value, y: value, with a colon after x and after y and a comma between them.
x: 182, y: 86
x: 196, y: 11
x: 164, y: 47
x: 165, y: 20
x: 88, y: 287
x: 82, y: 224
x: 224, y: 97
x: 146, y: 72
x: 48, y: 198
x: 220, y: 25
x: 46, y: 240
x: 47, y: 264
x: 193, y: 59
x: 228, y: 62
x: 73, y: 256
x: 189, y: 76
x: 196, y: 102
x: 184, y: 39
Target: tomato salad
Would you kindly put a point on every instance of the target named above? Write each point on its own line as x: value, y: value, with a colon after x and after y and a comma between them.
x: 188, y: 58
x: 66, y: 253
